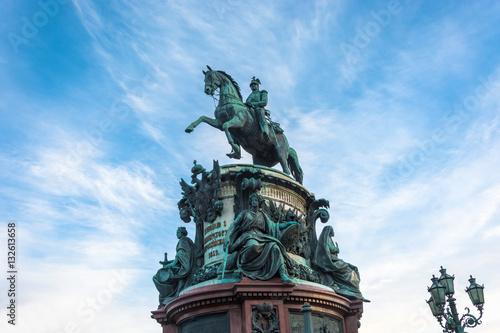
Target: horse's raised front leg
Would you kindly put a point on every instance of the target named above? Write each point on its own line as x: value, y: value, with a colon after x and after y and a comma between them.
x: 235, y: 122
x: 203, y: 119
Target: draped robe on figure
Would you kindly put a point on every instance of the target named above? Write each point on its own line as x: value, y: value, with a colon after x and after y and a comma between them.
x: 171, y: 280
x: 334, y: 272
x: 255, y: 240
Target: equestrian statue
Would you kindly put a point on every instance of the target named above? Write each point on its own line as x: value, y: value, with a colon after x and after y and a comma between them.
x: 248, y: 124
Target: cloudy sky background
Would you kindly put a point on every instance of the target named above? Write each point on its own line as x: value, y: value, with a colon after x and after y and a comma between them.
x: 392, y: 107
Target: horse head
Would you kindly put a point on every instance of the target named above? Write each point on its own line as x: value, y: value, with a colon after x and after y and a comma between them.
x: 212, y: 81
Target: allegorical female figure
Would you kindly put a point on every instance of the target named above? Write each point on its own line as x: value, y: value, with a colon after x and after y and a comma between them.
x: 254, y: 247
x: 334, y: 272
x: 175, y: 275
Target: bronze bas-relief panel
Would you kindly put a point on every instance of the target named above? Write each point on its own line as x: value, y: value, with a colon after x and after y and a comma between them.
x: 207, y: 323
x: 322, y: 323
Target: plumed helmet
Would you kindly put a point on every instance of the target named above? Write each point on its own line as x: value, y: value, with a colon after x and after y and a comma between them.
x: 255, y: 80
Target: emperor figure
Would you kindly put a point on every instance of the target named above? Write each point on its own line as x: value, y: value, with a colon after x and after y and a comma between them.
x: 257, y: 100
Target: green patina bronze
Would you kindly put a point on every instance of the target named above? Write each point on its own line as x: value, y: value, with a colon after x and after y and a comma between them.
x: 265, y: 235
x: 442, y: 297
x: 245, y: 126
x: 257, y: 100
x: 200, y: 202
x: 176, y: 274
x: 334, y: 272
x: 254, y: 245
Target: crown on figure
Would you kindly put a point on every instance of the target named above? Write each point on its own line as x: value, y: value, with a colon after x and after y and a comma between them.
x: 197, y: 168
x: 183, y: 231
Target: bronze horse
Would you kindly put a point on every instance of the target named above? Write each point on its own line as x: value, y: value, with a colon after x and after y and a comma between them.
x: 239, y: 123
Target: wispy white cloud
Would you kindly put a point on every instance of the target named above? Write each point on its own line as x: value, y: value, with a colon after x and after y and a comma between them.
x: 123, y: 188
x: 88, y: 208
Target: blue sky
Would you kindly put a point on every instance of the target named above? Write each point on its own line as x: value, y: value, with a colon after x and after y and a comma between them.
x: 392, y: 107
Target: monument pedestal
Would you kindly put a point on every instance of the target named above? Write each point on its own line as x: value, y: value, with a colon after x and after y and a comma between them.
x: 219, y: 299
x: 253, y: 221
x: 258, y: 306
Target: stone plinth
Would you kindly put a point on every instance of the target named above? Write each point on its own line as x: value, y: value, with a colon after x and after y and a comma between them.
x: 275, y: 186
x: 239, y: 306
x: 219, y: 301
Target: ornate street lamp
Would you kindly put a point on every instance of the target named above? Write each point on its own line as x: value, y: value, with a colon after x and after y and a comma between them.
x: 437, y: 303
x: 435, y: 309
x: 447, y: 281
x: 437, y: 291
x: 475, y: 292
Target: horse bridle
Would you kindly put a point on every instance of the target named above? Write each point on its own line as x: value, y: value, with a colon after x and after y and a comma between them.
x: 213, y: 94
x: 212, y: 73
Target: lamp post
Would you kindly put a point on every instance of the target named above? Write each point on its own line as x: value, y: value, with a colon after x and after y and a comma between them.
x: 443, y: 288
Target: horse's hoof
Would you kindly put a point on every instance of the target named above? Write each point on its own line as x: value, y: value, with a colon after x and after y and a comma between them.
x: 234, y: 155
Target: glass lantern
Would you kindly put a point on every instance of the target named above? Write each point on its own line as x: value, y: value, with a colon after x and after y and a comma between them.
x: 437, y: 291
x: 475, y: 292
x: 435, y: 309
x: 447, y: 281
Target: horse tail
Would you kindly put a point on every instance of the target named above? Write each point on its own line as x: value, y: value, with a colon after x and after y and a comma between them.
x: 293, y: 164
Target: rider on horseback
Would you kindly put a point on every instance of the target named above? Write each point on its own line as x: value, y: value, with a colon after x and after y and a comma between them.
x: 257, y: 100
x: 242, y: 121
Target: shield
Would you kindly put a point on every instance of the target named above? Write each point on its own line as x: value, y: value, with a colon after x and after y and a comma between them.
x: 290, y: 235
x: 164, y: 275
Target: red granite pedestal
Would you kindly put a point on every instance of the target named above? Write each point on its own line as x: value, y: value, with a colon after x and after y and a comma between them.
x: 239, y: 306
